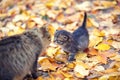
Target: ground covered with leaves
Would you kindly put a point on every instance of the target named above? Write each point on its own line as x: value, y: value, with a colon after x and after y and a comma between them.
x: 102, y: 59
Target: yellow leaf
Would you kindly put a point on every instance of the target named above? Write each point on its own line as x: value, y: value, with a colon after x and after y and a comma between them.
x: 92, y: 22
x: 16, y: 31
x: 66, y: 74
x: 110, y: 70
x: 40, y: 78
x: 94, y: 40
x: 50, y: 3
x: 67, y: 79
x: 70, y: 65
x: 104, y: 78
x: 103, y: 47
x: 30, y: 24
x: 51, y: 29
x: 108, y: 3
x: 60, y: 18
x: 97, y: 32
x: 107, y: 76
x: 51, y: 51
x: 80, y: 56
x: 47, y: 65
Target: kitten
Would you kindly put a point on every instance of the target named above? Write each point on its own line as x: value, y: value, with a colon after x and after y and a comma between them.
x: 73, y: 42
x: 19, y: 53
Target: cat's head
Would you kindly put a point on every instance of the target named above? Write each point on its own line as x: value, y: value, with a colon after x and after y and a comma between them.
x: 45, y: 35
x: 61, y: 37
x: 40, y: 34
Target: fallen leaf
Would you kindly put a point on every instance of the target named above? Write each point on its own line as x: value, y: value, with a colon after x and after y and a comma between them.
x: 81, y: 70
x: 66, y: 74
x: 47, y: 65
x: 93, y: 51
x: 108, y: 3
x: 102, y: 47
x: 102, y: 58
x: 97, y: 32
x: 94, y: 40
x: 99, y: 68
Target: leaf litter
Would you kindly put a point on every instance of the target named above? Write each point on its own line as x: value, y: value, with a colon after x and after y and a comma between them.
x: 100, y: 62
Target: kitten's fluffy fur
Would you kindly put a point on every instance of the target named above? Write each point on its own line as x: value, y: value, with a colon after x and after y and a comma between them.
x: 19, y: 53
x: 73, y: 42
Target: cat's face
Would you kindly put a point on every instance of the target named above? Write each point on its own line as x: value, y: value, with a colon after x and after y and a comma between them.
x: 61, y: 37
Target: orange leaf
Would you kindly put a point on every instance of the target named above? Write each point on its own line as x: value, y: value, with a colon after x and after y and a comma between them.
x: 93, y: 51
x: 60, y: 18
x: 102, y: 58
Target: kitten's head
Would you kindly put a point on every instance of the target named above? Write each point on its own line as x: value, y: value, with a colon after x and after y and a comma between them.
x: 61, y: 37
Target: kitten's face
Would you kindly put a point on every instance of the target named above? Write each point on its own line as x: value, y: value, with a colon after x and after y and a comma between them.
x: 61, y: 37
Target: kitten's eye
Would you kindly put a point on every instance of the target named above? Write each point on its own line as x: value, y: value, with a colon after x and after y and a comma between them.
x: 65, y: 37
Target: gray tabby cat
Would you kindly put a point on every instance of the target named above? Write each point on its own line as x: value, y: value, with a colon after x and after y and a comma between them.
x: 19, y: 53
x: 73, y: 42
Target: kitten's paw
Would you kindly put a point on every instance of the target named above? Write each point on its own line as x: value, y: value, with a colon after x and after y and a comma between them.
x: 71, y: 58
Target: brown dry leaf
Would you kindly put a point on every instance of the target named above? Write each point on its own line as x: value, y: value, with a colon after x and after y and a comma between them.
x: 60, y: 18
x: 102, y: 58
x: 93, y: 51
x: 102, y: 47
x: 47, y: 65
x: 57, y: 75
x: 30, y: 24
